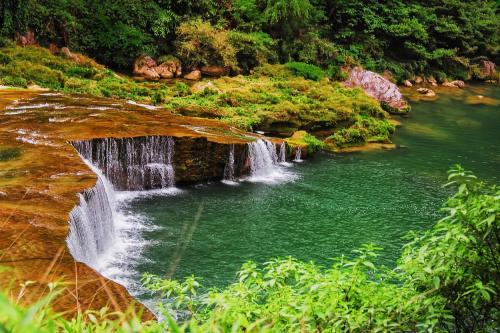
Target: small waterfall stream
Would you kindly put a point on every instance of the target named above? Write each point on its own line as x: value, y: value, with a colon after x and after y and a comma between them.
x: 282, y: 154
x: 102, y: 233
x: 298, y: 154
x: 265, y: 162
x: 229, y: 168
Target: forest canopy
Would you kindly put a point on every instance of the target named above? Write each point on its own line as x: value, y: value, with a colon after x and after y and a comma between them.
x: 406, y: 37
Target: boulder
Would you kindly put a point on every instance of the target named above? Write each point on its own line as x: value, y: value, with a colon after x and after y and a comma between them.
x: 145, y: 66
x: 169, y: 69
x: 419, y: 80
x: 201, y: 86
x: 379, y: 88
x: 489, y: 68
x: 213, y: 71
x: 426, y: 91
x: 26, y: 40
x: 194, y: 75
x: 164, y: 71
x: 454, y: 84
x: 432, y: 81
x: 407, y: 83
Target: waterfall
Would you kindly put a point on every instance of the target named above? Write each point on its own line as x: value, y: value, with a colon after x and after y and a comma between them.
x: 282, y: 155
x: 229, y: 168
x: 263, y: 157
x: 91, y: 222
x: 298, y: 153
x: 264, y: 163
x: 132, y: 163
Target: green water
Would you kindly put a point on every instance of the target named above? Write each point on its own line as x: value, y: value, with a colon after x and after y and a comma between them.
x: 337, y: 203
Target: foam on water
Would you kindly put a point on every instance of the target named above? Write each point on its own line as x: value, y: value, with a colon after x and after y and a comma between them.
x: 264, y: 164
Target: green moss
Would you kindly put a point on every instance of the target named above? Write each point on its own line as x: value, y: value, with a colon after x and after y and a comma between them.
x: 304, y: 139
x: 7, y: 154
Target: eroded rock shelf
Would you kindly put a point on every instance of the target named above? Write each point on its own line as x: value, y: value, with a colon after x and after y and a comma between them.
x: 41, y: 175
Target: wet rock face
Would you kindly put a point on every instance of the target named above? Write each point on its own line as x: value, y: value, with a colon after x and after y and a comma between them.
x: 197, y: 160
x: 378, y: 87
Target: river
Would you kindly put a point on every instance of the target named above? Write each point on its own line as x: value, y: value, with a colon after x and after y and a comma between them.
x: 331, y: 205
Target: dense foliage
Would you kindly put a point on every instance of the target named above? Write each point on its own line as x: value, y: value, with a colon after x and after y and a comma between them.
x: 447, y: 280
x: 407, y: 37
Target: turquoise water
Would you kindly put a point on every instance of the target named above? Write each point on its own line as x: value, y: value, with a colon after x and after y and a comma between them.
x: 337, y: 203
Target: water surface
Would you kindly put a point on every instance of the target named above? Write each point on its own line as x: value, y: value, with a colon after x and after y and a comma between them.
x: 337, y: 203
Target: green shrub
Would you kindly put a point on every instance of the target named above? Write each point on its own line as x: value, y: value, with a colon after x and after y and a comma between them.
x: 83, y: 72
x: 5, y: 58
x: 200, y: 44
x: 34, y: 73
x: 335, y: 73
x: 350, y: 136
x: 307, y: 71
x: 182, y: 89
x: 253, y: 49
x: 159, y: 96
x: 14, y: 81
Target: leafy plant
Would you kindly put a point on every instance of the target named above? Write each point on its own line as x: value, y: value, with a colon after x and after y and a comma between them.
x: 307, y: 71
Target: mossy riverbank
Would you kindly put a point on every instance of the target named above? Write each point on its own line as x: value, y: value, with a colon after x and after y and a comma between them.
x: 274, y: 99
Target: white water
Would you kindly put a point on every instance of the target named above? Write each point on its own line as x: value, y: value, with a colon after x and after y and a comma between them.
x: 229, y: 168
x: 298, y: 155
x: 133, y: 163
x: 104, y: 234
x: 264, y: 163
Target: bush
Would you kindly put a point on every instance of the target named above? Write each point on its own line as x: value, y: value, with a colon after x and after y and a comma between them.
x: 5, y: 59
x: 350, y: 136
x: 252, y: 49
x: 335, y: 73
x: 34, y: 73
x: 201, y: 44
x: 182, y: 89
x: 14, y: 81
x: 83, y: 72
x: 307, y: 71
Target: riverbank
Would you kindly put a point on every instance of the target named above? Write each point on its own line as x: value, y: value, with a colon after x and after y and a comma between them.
x: 274, y: 99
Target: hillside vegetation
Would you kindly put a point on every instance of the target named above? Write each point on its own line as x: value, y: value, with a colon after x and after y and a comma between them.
x: 276, y: 98
x: 445, y: 38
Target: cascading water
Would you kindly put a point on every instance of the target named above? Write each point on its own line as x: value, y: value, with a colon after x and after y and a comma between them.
x: 298, y: 154
x: 92, y: 229
x: 132, y: 163
x: 264, y: 163
x: 282, y: 154
x: 229, y: 168
x: 103, y: 233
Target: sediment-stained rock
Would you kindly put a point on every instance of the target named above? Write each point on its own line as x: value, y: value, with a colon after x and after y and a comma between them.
x: 40, y: 183
x: 378, y: 87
